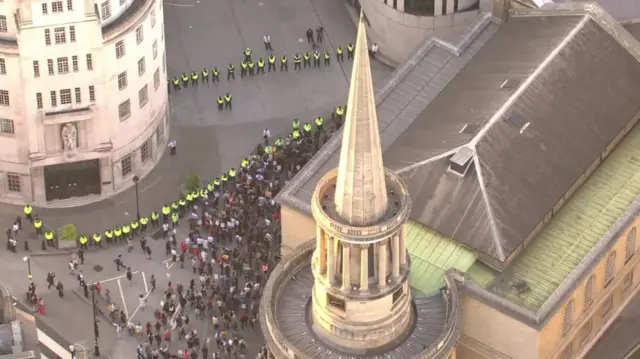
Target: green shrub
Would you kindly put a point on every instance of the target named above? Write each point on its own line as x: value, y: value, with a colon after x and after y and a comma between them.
x: 193, y: 182
x: 68, y: 233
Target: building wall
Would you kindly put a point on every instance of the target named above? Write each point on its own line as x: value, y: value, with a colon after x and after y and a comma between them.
x: 297, y: 228
x: 89, y: 67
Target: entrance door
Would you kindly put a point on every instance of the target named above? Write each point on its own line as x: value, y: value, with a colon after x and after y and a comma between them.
x: 75, y: 179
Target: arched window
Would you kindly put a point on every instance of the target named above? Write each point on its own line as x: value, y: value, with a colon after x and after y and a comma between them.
x: 630, y: 246
x: 588, y: 291
x: 610, y: 268
x: 568, y: 318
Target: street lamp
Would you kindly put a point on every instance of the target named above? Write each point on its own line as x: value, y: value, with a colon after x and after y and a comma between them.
x: 96, y: 333
x: 135, y: 181
x: 28, y: 260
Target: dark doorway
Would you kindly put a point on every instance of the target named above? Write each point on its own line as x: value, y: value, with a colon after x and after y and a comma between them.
x: 75, y: 179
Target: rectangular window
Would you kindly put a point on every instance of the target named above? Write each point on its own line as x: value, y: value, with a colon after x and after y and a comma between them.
x: 56, y: 6
x: 124, y: 110
x: 50, y: 66
x: 60, y: 35
x: 153, y: 18
x: 47, y: 37
x: 13, y: 182
x: 3, y: 67
x: 143, y: 96
x: 36, y: 69
x: 7, y: 127
x: 72, y: 33
x: 164, y: 62
x: 122, y: 81
x: 54, y: 99
x: 65, y: 97
x: 63, y: 65
x: 39, y: 103
x: 4, y: 98
x: 89, y: 62
x: 3, y: 23
x: 78, y: 95
x: 145, y: 151
x: 139, y: 34
x: 155, y: 49
x: 74, y: 63
x: 156, y: 80
x: 45, y: 9
x: 141, y: 67
x: 69, y: 5
x: 606, y: 307
x: 127, y: 165
x: 105, y: 10
x: 119, y: 49
x: 92, y: 93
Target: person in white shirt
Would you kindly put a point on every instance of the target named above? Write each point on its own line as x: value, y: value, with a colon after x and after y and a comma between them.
x: 374, y: 49
x: 267, y: 42
x: 172, y: 147
x: 266, y: 134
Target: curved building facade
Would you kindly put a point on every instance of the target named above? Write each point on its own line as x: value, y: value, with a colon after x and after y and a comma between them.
x: 83, y: 97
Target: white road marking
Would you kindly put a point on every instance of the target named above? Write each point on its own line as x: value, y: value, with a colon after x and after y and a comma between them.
x: 179, y: 5
x: 167, y: 260
x: 144, y: 280
x: 124, y: 303
x: 53, y: 345
x: 116, y: 278
x: 170, y: 265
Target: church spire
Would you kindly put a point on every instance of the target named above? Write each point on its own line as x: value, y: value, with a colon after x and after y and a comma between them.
x: 361, y: 193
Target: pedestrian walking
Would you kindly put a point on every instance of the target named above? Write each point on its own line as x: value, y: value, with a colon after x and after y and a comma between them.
x: 309, y: 34
x: 320, y: 34
x: 129, y: 276
x: 172, y: 147
x: 153, y: 282
x: 267, y: 42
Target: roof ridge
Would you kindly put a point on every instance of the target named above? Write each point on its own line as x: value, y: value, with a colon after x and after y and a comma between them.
x: 496, y: 238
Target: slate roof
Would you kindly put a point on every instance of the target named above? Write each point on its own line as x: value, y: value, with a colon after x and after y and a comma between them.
x: 572, y: 88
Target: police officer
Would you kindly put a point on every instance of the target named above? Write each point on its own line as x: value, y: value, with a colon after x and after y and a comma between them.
x: 185, y: 80
x: 245, y: 165
x: 134, y: 227
x: 283, y: 63
x: 243, y: 69
x: 108, y: 234
x: 350, y: 51
x: 224, y: 178
x: 143, y: 223
x: 339, y: 112
x: 83, y: 242
x: 126, y: 231
x: 28, y: 211
x: 166, y: 211
x: 48, y: 236
x: 227, y: 102
x: 194, y: 78
x: 232, y: 175
x: 220, y: 103
x: 118, y: 233
x: 297, y: 61
x: 247, y: 54
x: 307, y: 59
x: 316, y: 59
x: 295, y: 124
x: 97, y: 239
x: 252, y: 66
x: 307, y: 129
x: 319, y: 123
x: 175, y: 207
x: 216, y: 183
x: 37, y: 224
x: 183, y: 206
x: 215, y: 75
x: 205, y: 75
x: 176, y: 83
x: 260, y: 66
x: 272, y: 63
x: 327, y: 58
x: 154, y: 218
x: 175, y: 219
x: 279, y: 142
x: 339, y: 54
x: 295, y: 135
x: 231, y: 72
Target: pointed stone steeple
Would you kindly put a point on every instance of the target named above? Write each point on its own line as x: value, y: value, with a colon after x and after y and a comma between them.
x: 361, y: 191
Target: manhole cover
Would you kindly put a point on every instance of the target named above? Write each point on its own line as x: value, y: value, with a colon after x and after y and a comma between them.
x: 97, y: 268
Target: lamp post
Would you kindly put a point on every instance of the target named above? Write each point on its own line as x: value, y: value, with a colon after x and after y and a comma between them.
x: 28, y: 260
x: 135, y: 181
x: 96, y: 333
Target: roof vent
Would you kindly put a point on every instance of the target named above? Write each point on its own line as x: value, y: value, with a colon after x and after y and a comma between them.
x: 510, y: 84
x: 461, y: 161
x: 470, y: 129
x: 518, y: 122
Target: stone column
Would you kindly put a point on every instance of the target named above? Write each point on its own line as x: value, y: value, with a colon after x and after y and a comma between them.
x: 330, y: 262
x: 437, y: 7
x: 346, y: 261
x: 403, y: 249
x: 395, y: 256
x: 382, y: 264
x: 322, y: 248
x: 364, y: 267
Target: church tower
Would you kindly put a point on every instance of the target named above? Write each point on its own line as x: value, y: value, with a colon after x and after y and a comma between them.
x: 361, y: 298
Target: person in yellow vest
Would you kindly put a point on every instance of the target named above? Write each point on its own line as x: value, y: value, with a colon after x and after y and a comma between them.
x: 126, y: 231
x: 194, y: 78
x: 166, y: 211
x: 83, y: 242
x: 307, y: 129
x: 319, y: 123
x: 205, y: 75
x: 189, y: 199
x: 307, y: 59
x: 337, y: 116
x: 185, y: 80
x: 295, y: 135
x: 37, y: 224
x: 203, y: 193
x: 350, y: 51
x: 284, y: 63
x: 97, y: 239
x: 216, y: 183
x: 327, y: 58
x: 28, y: 212
x: 220, y: 103
x: 143, y: 224
x: 245, y: 165
x: 316, y: 59
x: 176, y: 83
x: 174, y: 219
x: 216, y: 75
x: 339, y: 54
x: 247, y: 54
x: 260, y: 66
x: 108, y: 234
x: 134, y: 227
x: 48, y: 236
x: 175, y: 207
x: 210, y: 187
x: 231, y: 72
x: 272, y: 63
x: 232, y: 175
x: 154, y: 219
x: 183, y: 206
x: 268, y: 150
x: 252, y: 66
x: 297, y: 61
x: 224, y: 179
x: 195, y: 195
x: 118, y: 233
x: 227, y: 102
x: 244, y: 65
